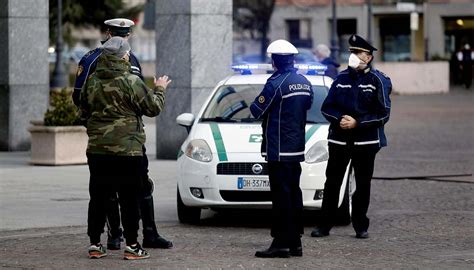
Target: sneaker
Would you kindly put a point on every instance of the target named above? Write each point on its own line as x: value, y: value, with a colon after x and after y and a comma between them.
x: 97, y: 251
x: 135, y: 253
x: 113, y: 243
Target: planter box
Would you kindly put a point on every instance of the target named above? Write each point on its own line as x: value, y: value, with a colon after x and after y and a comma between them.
x: 58, y: 145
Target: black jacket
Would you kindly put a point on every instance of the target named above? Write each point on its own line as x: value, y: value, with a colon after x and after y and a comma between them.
x: 364, y: 95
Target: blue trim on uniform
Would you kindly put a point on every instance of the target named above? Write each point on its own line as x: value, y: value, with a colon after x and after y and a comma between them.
x: 88, y: 64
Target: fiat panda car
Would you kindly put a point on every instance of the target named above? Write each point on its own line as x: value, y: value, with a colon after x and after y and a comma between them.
x: 220, y: 165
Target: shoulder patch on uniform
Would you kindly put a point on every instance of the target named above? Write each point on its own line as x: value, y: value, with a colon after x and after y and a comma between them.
x: 261, y: 99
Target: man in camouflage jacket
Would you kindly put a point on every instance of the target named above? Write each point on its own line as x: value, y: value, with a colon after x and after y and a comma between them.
x: 112, y: 104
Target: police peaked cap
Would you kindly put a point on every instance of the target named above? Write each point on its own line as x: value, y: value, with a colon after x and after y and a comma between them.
x: 357, y: 43
x: 119, y: 26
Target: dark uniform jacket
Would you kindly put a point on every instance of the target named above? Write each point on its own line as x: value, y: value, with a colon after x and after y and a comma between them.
x: 283, y: 105
x: 88, y: 64
x: 364, y: 95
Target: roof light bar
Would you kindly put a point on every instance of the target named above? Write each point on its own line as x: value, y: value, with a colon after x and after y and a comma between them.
x: 310, y: 69
x: 246, y: 69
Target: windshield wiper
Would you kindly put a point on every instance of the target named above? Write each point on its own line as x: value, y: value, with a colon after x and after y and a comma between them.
x: 250, y: 120
x: 218, y: 119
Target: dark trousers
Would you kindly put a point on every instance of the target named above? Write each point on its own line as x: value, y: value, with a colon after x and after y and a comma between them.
x: 287, y: 203
x: 110, y: 175
x: 146, y: 207
x: 363, y: 158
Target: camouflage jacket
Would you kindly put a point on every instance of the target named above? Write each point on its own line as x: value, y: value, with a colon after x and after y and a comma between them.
x: 112, y: 104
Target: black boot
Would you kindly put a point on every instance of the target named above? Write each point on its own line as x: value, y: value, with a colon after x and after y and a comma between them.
x: 114, y: 240
x: 151, y: 238
x: 273, y: 252
x: 296, y: 248
x: 278, y: 249
x: 319, y: 232
x: 362, y: 234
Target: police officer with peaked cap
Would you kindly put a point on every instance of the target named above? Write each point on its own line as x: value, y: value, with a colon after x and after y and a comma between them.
x: 357, y: 107
x: 115, y: 27
x: 282, y: 105
x: 151, y: 239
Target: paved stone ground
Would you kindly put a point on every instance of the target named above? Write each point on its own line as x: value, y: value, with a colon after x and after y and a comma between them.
x: 429, y: 135
x: 415, y: 224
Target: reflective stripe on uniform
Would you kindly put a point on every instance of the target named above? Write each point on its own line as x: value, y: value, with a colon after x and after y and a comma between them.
x: 290, y: 154
x: 297, y: 94
x: 337, y: 142
x: 366, y: 142
x: 343, y: 85
x: 367, y: 86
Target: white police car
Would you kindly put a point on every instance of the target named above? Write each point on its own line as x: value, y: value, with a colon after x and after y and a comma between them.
x: 219, y: 163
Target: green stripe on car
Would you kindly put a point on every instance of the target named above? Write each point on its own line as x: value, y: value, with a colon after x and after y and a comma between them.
x: 216, y: 133
x: 180, y: 153
x: 310, y: 132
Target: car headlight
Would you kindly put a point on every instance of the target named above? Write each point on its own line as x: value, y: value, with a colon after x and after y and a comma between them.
x: 318, y: 152
x: 199, y: 150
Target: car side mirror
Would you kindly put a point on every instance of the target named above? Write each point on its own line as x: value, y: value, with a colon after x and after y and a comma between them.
x: 186, y: 120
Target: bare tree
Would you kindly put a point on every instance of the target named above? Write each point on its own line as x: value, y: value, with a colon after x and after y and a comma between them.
x: 84, y: 13
x: 254, y: 17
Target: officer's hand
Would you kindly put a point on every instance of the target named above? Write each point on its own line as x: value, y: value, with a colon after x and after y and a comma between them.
x: 162, y: 81
x: 347, y: 122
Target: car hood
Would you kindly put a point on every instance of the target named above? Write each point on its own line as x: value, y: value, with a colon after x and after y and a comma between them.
x: 231, y: 137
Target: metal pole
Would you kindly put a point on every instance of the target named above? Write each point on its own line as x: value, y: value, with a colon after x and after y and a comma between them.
x: 59, y: 77
x: 334, y: 45
x: 369, y: 21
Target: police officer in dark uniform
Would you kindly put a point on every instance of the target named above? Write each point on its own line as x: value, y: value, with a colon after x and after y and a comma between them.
x: 151, y: 239
x: 283, y: 105
x: 357, y: 107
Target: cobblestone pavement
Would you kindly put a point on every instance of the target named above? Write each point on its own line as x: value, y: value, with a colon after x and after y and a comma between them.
x: 429, y: 135
x: 414, y: 224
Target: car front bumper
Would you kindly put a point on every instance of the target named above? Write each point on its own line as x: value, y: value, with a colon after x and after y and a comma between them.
x: 221, y: 191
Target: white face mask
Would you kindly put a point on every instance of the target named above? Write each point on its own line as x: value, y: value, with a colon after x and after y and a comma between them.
x: 354, y: 61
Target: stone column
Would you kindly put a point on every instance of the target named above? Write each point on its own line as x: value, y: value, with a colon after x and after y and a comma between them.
x: 193, y: 47
x: 24, y: 75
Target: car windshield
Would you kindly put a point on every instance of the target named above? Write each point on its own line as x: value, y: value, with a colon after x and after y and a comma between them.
x: 231, y: 104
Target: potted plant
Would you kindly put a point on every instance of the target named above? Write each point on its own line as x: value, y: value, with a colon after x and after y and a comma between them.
x: 59, y: 139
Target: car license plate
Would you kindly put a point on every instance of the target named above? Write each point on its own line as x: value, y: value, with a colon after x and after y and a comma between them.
x: 250, y: 183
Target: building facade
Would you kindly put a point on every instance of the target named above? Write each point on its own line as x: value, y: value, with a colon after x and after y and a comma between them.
x: 416, y: 30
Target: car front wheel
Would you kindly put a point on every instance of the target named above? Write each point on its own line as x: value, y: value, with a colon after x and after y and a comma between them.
x: 186, y: 214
